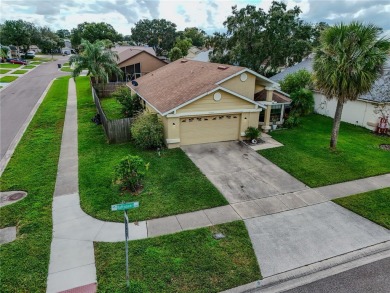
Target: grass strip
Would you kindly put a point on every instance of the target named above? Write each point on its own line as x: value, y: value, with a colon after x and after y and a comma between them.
x: 8, y: 78
x: 29, y: 67
x: 173, y: 184
x: 189, y: 261
x: 4, y: 71
x: 9, y: 65
x: 19, y: 71
x: 372, y: 205
x: 33, y: 168
x: 66, y: 69
x: 306, y: 154
x: 112, y: 108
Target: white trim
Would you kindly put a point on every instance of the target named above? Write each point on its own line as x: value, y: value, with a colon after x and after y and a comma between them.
x: 232, y: 111
x: 172, y: 140
x: 282, y: 92
x: 219, y: 88
x: 250, y: 71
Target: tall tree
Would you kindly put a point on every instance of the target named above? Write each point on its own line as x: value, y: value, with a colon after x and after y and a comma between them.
x: 19, y: 33
x: 196, y: 35
x: 99, y: 61
x: 346, y: 64
x: 92, y: 31
x: 263, y: 41
x: 48, y: 40
x: 157, y: 33
x: 63, y: 33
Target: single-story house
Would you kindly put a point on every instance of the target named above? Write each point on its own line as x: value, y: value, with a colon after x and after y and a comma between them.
x: 360, y: 112
x: 136, y: 61
x: 34, y: 48
x: 202, y: 102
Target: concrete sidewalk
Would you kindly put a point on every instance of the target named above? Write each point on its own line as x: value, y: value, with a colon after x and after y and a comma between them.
x: 72, y: 262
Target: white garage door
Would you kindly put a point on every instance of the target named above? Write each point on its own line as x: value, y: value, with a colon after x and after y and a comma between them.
x: 206, y: 129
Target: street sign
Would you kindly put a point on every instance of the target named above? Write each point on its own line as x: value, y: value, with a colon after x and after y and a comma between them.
x: 125, y: 206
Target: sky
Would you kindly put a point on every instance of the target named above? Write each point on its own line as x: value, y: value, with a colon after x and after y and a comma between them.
x: 208, y: 15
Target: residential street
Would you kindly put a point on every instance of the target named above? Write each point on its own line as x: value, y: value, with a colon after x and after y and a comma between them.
x: 19, y: 98
x: 370, y: 278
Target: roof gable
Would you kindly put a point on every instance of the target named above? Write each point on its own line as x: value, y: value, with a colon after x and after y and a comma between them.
x: 180, y: 82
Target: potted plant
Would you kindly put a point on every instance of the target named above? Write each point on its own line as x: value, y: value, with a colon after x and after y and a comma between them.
x: 252, y: 134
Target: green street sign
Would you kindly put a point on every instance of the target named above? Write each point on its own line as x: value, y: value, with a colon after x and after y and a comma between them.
x: 125, y: 206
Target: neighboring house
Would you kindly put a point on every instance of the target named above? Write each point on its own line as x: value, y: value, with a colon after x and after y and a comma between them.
x: 136, y: 61
x: 14, y: 51
x: 359, y: 112
x: 34, y: 48
x: 198, y: 55
x: 202, y: 102
x: 8, y: 49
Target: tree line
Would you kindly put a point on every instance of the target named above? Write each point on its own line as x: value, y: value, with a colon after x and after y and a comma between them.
x: 262, y: 41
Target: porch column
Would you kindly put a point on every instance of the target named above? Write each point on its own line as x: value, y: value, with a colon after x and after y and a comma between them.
x: 267, y: 115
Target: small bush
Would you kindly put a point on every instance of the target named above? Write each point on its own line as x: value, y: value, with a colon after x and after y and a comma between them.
x: 252, y: 133
x: 292, y: 121
x: 131, y: 104
x: 130, y: 172
x: 302, y: 102
x: 147, y: 131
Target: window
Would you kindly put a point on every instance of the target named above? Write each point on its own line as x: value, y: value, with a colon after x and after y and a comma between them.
x: 132, y: 71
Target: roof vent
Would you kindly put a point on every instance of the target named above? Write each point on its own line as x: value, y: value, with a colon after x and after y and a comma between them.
x: 183, y: 61
x: 222, y: 67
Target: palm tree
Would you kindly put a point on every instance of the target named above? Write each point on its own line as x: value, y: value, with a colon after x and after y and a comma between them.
x: 346, y: 64
x: 100, y: 61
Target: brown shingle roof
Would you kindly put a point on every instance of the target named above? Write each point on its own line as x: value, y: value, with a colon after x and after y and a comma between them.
x: 276, y: 97
x: 181, y: 81
x: 127, y: 52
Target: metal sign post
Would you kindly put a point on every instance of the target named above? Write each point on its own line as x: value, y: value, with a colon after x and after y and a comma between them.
x: 124, y: 207
x: 127, y: 249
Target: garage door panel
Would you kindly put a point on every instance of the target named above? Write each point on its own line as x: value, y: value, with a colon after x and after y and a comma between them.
x: 195, y: 130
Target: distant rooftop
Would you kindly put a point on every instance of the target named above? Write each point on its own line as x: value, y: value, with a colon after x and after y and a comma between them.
x: 380, y: 91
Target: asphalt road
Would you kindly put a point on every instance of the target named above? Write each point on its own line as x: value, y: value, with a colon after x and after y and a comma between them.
x: 370, y: 278
x: 19, y: 98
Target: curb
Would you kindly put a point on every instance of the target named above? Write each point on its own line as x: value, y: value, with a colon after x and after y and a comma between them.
x: 8, y: 154
x: 316, y: 271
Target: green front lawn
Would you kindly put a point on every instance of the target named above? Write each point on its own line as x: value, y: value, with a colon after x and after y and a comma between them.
x: 9, y: 65
x: 306, y: 154
x: 19, y: 71
x: 29, y: 67
x: 112, y: 108
x: 189, y: 261
x: 8, y: 78
x: 173, y: 184
x: 373, y: 205
x: 33, y: 167
x: 66, y: 69
x: 4, y: 71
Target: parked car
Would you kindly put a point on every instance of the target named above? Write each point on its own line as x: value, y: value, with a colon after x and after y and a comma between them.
x: 29, y: 55
x: 18, y: 61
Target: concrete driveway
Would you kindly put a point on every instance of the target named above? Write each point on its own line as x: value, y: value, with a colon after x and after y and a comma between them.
x: 297, y: 238
x: 240, y: 173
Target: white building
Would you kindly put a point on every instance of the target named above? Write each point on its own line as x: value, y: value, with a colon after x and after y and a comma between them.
x: 359, y: 112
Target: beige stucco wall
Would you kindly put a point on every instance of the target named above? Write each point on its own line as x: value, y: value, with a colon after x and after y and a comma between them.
x: 244, y: 88
x: 259, y: 88
x: 148, y: 62
x: 207, y: 103
x: 354, y: 112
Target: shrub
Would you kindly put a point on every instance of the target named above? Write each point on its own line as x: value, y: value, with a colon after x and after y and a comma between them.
x: 252, y: 133
x: 147, y: 131
x: 130, y: 172
x: 302, y: 102
x: 292, y: 121
x: 131, y: 104
x: 293, y: 82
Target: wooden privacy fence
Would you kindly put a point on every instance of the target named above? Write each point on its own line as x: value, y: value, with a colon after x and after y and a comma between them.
x: 117, y: 130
